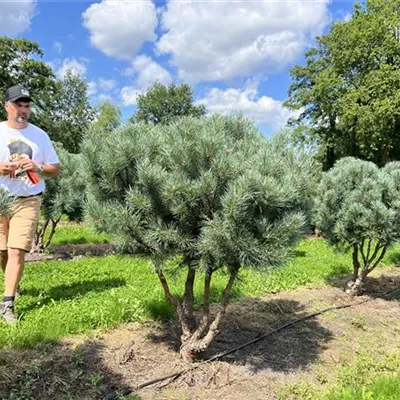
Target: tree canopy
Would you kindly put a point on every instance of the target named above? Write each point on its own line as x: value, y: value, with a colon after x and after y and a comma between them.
x: 348, y: 91
x: 211, y: 191
x: 20, y: 63
x: 358, y: 208
x: 161, y: 104
x: 107, y: 117
x: 71, y: 115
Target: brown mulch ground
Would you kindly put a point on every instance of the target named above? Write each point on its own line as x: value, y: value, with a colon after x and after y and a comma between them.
x: 68, y: 251
x: 90, y: 366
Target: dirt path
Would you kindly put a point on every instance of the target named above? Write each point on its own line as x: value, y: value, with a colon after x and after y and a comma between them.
x: 136, y: 353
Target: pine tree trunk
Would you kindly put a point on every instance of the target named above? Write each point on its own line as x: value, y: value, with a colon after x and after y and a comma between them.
x: 38, y: 246
x: 188, y: 298
x: 196, y: 344
x: 54, y: 224
x: 195, y: 340
x: 354, y: 287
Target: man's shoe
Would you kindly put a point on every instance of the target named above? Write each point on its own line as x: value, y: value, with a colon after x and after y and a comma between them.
x: 7, y: 311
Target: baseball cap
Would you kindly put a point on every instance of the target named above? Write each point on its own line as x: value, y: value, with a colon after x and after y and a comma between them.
x: 17, y: 92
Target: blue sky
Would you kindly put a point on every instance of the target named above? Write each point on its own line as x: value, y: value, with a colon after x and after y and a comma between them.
x: 235, y: 54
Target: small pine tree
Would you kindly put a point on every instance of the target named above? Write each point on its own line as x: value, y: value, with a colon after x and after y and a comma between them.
x: 358, y: 208
x: 6, y: 203
x: 212, y: 191
x: 64, y: 195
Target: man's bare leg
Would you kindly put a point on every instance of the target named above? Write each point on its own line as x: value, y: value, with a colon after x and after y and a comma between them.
x: 3, y: 259
x: 13, y: 272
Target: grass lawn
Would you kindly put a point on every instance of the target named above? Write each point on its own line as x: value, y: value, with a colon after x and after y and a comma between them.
x: 63, y: 298
x: 366, y: 377
x: 385, y: 387
x: 78, y: 234
x: 69, y: 297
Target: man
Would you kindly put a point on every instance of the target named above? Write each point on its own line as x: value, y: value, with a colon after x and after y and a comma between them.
x: 26, y: 156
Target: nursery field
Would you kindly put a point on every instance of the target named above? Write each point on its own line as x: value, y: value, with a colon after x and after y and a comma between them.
x: 91, y: 326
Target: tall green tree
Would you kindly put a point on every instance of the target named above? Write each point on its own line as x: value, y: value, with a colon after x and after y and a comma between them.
x: 20, y: 63
x: 210, y: 192
x: 71, y: 114
x: 162, y: 104
x: 107, y: 117
x: 348, y: 91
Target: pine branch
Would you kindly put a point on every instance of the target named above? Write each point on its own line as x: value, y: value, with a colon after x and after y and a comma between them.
x: 377, y: 261
x: 365, y: 259
x: 54, y: 224
x: 369, y: 248
x: 356, y: 263
x: 214, y: 327
x: 377, y: 248
x: 205, y: 321
x: 188, y: 298
x: 173, y: 300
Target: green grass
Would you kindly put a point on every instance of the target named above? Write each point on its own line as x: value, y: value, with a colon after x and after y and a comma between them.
x: 366, y: 378
x: 381, y: 388
x: 71, y: 297
x: 78, y: 234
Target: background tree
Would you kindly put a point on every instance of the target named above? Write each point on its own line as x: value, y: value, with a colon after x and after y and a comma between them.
x: 211, y: 191
x: 107, y: 117
x: 161, y: 104
x: 60, y: 107
x: 64, y: 195
x: 20, y: 64
x: 71, y: 114
x: 349, y: 90
x: 358, y: 208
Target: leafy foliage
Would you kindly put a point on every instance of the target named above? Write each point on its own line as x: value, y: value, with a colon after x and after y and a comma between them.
x: 211, y: 190
x: 20, y: 64
x: 349, y: 90
x: 108, y: 117
x: 71, y: 115
x: 162, y: 104
x: 60, y: 107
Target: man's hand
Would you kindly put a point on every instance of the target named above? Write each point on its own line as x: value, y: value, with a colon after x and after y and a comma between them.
x: 7, y: 169
x: 26, y: 164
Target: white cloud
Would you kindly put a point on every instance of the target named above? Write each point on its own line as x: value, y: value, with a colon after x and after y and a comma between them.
x: 221, y: 39
x: 71, y: 64
x: 129, y: 95
x: 16, y: 16
x: 348, y: 16
x: 149, y: 71
x: 262, y: 109
x: 107, y: 84
x: 145, y: 71
x: 57, y: 47
x: 119, y: 28
x: 105, y: 97
x: 92, y: 88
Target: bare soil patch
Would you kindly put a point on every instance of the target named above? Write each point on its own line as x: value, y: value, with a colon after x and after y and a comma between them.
x: 69, y: 251
x: 90, y: 366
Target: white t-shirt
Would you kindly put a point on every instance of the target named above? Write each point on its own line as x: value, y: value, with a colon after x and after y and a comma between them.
x: 30, y: 142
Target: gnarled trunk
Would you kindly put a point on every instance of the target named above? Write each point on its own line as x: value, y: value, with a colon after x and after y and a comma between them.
x: 39, y: 243
x: 196, y: 338
x: 206, y: 332
x: 369, y: 263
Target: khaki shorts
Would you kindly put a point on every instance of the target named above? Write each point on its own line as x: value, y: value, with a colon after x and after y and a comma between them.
x: 18, y: 230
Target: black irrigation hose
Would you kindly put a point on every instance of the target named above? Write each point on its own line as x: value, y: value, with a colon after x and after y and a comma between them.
x: 128, y: 390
